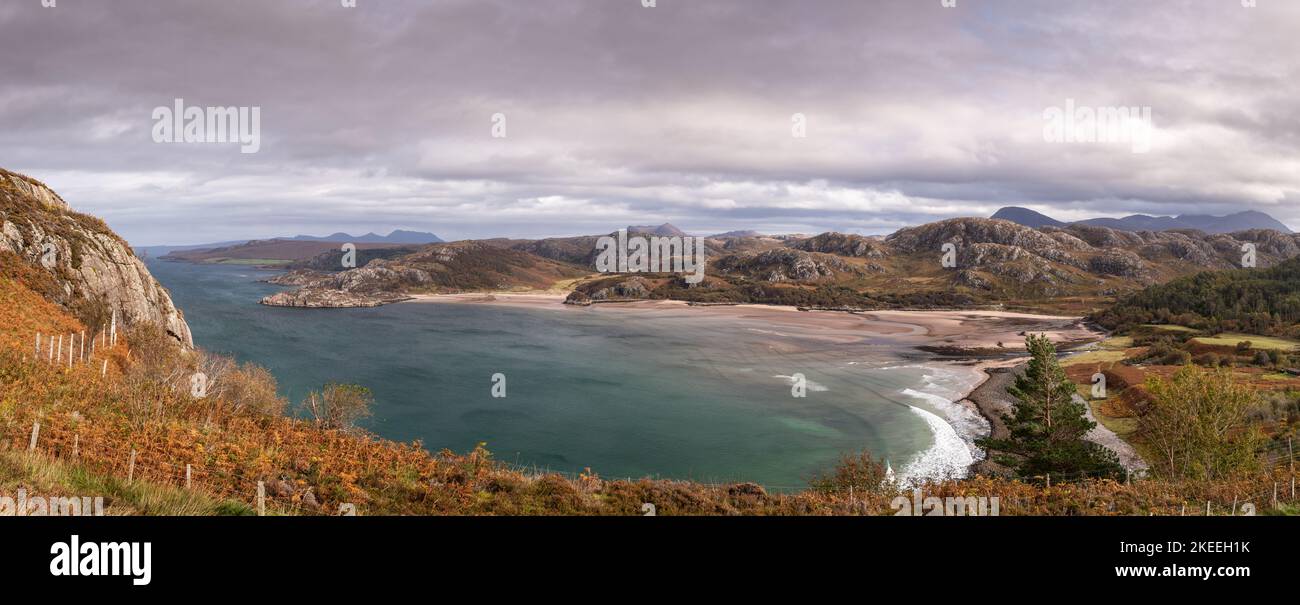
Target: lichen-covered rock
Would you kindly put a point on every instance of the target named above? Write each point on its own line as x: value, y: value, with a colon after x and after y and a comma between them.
x: 971, y: 279
x: 1120, y: 263
x: 789, y: 265
x: 89, y: 261
x: 296, y: 277
x: 965, y: 233
x: 631, y: 288
x: 328, y: 298
x: 843, y: 245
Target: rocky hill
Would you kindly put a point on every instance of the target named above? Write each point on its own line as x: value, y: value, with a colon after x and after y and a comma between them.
x: 91, y: 271
x: 437, y: 268
x: 994, y: 262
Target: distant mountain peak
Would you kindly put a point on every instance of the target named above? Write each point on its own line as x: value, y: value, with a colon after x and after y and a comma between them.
x: 664, y: 230
x: 1232, y: 223
x: 1026, y: 217
x: 733, y: 234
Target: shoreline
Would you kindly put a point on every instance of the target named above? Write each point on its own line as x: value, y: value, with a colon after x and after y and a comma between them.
x: 974, y: 340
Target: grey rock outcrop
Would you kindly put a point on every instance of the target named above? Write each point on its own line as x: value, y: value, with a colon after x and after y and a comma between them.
x: 89, y: 261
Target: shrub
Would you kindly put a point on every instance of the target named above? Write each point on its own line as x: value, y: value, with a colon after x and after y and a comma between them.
x: 338, y: 406
x: 862, y: 472
x: 244, y: 389
x: 1198, y: 425
x: 1176, y: 358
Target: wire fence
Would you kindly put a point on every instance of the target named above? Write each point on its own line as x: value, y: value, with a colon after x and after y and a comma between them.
x: 156, y: 462
x: 152, y: 462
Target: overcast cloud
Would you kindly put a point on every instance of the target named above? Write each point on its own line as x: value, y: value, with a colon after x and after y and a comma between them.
x: 380, y: 116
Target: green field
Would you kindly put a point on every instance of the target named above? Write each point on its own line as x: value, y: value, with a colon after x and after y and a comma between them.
x: 1229, y: 339
x: 251, y: 261
x: 1109, y: 350
x: 1093, y: 357
x: 1169, y: 328
x: 1117, y: 343
x: 1124, y: 427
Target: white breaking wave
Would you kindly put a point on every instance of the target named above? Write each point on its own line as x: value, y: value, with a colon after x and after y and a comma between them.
x: 954, y: 427
x: 948, y: 458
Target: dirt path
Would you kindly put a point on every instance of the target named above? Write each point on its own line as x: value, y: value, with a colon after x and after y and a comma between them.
x: 1128, y: 457
x: 992, y: 401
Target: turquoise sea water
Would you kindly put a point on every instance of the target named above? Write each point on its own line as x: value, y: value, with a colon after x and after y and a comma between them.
x: 628, y: 393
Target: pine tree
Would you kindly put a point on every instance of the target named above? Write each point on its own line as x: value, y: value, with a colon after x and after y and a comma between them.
x: 1047, y: 425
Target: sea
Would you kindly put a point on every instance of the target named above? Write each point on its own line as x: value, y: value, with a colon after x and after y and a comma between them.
x: 680, y: 393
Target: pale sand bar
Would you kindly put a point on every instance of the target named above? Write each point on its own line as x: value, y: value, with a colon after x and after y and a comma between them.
x: 982, y: 330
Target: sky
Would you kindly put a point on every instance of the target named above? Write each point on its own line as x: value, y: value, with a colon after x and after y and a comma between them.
x: 786, y: 116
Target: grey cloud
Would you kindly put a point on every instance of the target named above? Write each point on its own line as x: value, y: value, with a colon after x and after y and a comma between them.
x: 378, y: 116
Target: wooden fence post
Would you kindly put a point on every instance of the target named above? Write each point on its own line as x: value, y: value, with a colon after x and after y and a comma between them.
x: 76, y: 446
x: 130, y: 468
x: 38, y: 345
x: 36, y: 432
x: 261, y: 499
x: 1275, y: 494
x: 187, y: 476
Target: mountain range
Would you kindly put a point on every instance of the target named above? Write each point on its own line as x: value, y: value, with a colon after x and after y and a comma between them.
x: 1240, y: 221
x: 397, y: 237
x: 1073, y: 268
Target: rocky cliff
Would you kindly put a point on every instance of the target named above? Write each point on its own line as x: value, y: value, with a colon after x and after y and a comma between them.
x: 95, y: 272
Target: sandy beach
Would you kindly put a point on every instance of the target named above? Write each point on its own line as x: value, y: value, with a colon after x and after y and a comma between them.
x: 979, y: 333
